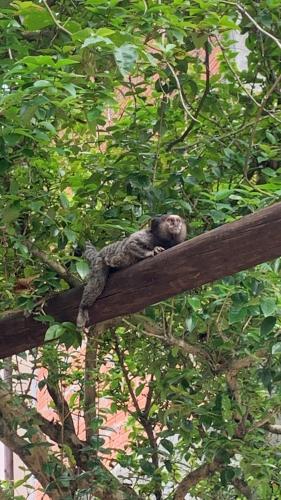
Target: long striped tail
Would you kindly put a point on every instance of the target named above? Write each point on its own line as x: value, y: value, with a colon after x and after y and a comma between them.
x: 92, y: 290
x: 90, y: 252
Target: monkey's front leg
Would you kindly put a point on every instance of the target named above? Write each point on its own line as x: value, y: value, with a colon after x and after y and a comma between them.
x: 132, y: 253
x: 139, y: 251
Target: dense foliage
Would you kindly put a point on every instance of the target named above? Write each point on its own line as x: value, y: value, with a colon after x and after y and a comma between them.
x: 111, y: 111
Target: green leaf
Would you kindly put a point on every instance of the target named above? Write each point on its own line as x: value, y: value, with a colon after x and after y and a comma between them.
x: 34, y: 16
x: 64, y: 200
x: 227, y: 475
x: 168, y: 465
x: 236, y: 315
x: 4, y: 165
x: 54, y: 332
x: 270, y: 137
x: 82, y: 269
x: 267, y: 325
x: 41, y: 60
x: 147, y: 467
x: 273, y: 4
x: 276, y: 348
x: 198, y: 40
x: 190, y: 323
x: 125, y: 57
x: 105, y: 31
x: 268, y: 306
x: 70, y: 88
x: 194, y: 302
x: 139, y: 389
x: 97, y: 40
x: 42, y: 383
x: 41, y: 84
x: 49, y: 126
x: 227, y: 22
x: 71, y: 337
x: 10, y: 214
x: 71, y: 235
x: 265, y: 375
x: 168, y: 445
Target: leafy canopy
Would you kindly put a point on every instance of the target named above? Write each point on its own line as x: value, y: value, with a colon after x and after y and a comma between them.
x: 110, y: 112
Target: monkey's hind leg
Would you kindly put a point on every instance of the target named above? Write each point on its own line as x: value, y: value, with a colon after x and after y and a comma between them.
x: 92, y: 290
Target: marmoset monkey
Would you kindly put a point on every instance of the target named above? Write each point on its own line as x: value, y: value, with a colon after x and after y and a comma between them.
x: 164, y: 232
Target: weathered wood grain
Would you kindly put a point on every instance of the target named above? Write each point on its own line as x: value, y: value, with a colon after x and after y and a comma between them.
x: 226, y: 250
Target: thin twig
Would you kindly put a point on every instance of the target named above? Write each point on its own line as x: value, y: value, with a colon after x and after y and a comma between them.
x: 72, y: 280
x: 261, y: 109
x: 181, y: 94
x: 62, y: 28
x: 204, y: 471
x: 145, y: 7
x: 141, y: 416
x: 152, y: 330
x: 260, y: 28
x: 237, y: 78
x: 126, y: 377
x: 242, y: 487
x: 61, y: 407
x: 34, y: 368
x: 244, y: 11
x: 205, y: 93
x: 273, y: 428
x: 91, y: 380
x: 238, y: 364
x: 149, y: 397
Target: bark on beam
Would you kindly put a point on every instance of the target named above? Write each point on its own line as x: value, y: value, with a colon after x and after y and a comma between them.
x: 221, y: 252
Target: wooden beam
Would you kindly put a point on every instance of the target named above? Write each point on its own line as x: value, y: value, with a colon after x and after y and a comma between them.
x: 226, y: 250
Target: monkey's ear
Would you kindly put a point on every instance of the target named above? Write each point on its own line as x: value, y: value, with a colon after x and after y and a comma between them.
x: 154, y: 223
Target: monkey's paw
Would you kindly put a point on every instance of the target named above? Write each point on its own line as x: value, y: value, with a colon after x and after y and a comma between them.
x: 157, y: 250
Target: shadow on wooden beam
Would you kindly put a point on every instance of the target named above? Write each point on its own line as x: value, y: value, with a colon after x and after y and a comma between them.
x: 226, y: 250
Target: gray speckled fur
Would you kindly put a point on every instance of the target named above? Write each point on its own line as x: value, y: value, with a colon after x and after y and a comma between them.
x: 121, y: 254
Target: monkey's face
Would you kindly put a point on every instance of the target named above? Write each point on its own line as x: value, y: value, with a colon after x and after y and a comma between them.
x: 168, y: 228
x: 174, y: 224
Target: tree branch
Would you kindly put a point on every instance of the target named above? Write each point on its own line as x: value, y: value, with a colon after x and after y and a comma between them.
x: 238, y: 364
x: 273, y: 428
x: 193, y: 118
x: 61, y: 407
x: 257, y: 119
x: 244, y: 88
x: 202, y: 472
x: 242, y: 487
x: 72, y: 280
x: 36, y: 457
x: 90, y: 393
x: 208, y: 469
x: 233, y: 247
x: 62, y: 28
x: 201, y: 102
x: 141, y: 416
x: 153, y: 330
x: 121, y: 360
x: 149, y: 397
x: 262, y: 30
